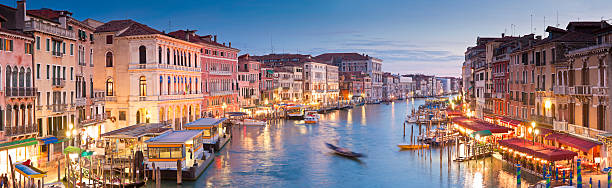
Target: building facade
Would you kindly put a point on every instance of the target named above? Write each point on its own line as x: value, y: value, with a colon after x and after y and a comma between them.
x: 354, y: 62
x: 248, y: 81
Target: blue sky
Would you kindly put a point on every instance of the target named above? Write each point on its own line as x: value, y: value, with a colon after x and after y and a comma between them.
x: 410, y: 36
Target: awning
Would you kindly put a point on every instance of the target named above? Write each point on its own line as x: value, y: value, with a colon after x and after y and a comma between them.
x: 511, y: 122
x: 49, y: 140
x: 29, y: 171
x: 537, y: 150
x: 270, y: 71
x: 482, y: 133
x: 479, y: 125
x: 18, y: 143
x: 453, y: 113
x: 572, y: 141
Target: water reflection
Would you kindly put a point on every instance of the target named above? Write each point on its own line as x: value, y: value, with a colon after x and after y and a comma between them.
x: 289, y: 153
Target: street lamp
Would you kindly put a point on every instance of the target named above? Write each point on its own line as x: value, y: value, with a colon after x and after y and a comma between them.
x: 536, y: 134
x: 533, y: 125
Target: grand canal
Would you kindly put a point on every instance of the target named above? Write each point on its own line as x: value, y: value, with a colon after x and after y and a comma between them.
x: 289, y: 153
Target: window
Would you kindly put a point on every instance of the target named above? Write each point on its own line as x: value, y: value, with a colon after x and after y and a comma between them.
x: 109, y: 39
x: 71, y: 73
x: 122, y: 115
x: 48, y: 69
x: 48, y: 41
x: 159, y: 55
x: 109, y: 59
x: 142, y: 51
x: 142, y: 82
x: 168, y: 56
x: 38, y: 71
x: 38, y: 43
x: 91, y: 64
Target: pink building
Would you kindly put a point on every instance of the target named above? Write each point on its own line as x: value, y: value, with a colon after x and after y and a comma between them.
x: 219, y: 73
x: 248, y: 81
x: 17, y: 129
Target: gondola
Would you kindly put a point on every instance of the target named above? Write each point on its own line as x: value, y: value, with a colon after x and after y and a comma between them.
x: 343, y: 151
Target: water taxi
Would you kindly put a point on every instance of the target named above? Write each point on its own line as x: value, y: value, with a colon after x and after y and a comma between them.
x: 253, y: 122
x: 295, y: 111
x: 311, y: 117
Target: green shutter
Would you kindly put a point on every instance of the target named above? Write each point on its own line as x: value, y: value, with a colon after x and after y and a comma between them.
x: 11, y: 45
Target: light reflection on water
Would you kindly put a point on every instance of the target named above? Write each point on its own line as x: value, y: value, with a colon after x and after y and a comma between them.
x: 290, y: 153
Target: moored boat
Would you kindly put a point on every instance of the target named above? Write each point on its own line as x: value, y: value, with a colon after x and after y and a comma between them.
x: 311, y: 117
x: 253, y: 122
x: 412, y: 146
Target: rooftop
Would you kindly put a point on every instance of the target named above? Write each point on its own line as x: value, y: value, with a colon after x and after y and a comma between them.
x: 175, y: 136
x: 205, y: 122
x: 138, y: 130
x: 127, y: 28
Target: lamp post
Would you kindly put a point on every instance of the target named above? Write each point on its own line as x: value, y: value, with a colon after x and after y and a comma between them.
x: 536, y: 134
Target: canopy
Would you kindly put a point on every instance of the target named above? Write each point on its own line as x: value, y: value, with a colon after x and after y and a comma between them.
x: 482, y: 133
x: 572, y: 141
x: 453, y: 113
x: 72, y: 149
x: 270, y: 71
x: 511, y: 122
x: 49, y: 140
x: 479, y: 125
x: 29, y: 171
x: 538, y: 150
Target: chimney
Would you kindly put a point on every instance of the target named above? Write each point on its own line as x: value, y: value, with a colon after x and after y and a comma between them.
x: 539, y: 37
x: 20, y: 15
x: 230, y: 44
x: 215, y: 38
x: 503, y: 35
x: 63, y: 19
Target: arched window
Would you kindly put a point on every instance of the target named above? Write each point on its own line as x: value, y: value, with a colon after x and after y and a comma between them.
x: 109, y: 87
x: 142, y: 52
x: 189, y: 59
x: 159, y: 55
x: 168, y: 56
x: 109, y: 59
x: 174, y: 57
x: 14, y: 76
x: 8, y: 78
x: 28, y: 78
x: 142, y: 82
x: 21, y: 77
x: 161, y: 84
x: 169, y: 85
x: 138, y: 117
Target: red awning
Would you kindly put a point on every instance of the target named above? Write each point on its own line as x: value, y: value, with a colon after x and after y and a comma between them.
x: 572, y: 141
x: 511, y: 122
x: 479, y: 125
x: 453, y: 113
x: 538, y: 150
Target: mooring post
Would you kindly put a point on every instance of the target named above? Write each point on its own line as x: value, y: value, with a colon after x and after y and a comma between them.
x: 179, y: 172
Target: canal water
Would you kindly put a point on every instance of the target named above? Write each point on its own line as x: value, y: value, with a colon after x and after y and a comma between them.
x: 289, y: 153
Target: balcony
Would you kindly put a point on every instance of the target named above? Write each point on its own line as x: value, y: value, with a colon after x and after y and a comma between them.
x: 137, y: 66
x: 110, y: 98
x: 543, y: 119
x: 57, y: 54
x: 223, y: 73
x: 599, y: 91
x: 580, y: 90
x: 94, y: 119
x: 58, y: 108
x: 20, y: 130
x: 20, y: 92
x: 578, y: 130
x: 80, y: 102
x: 58, y: 82
x: 560, y: 90
x: 181, y: 96
x: 219, y: 93
x: 33, y: 25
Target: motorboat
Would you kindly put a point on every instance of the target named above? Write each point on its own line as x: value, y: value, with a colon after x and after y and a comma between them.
x: 253, y: 122
x: 344, y: 151
x: 311, y: 117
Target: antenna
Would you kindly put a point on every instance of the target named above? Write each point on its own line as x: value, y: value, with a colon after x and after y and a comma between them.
x: 557, y: 19
x: 544, y: 27
x: 531, y: 26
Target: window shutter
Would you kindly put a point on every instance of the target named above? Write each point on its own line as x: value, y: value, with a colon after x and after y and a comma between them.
x: 11, y: 45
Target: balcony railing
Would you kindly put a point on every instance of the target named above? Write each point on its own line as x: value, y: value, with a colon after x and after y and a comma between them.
x: 33, y: 25
x: 220, y: 72
x: 20, y: 130
x: 80, y: 102
x: 543, y: 119
x: 578, y: 130
x: 20, y: 92
x: 97, y: 118
x: 59, y: 108
x: 560, y: 90
x: 599, y: 91
x: 137, y: 66
x: 58, y: 82
x: 219, y: 93
x: 580, y: 90
x: 57, y: 54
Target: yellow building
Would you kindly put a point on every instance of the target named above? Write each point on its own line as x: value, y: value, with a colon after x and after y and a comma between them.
x: 147, y: 76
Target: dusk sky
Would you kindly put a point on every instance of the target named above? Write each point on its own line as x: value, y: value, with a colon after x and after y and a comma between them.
x: 410, y: 36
